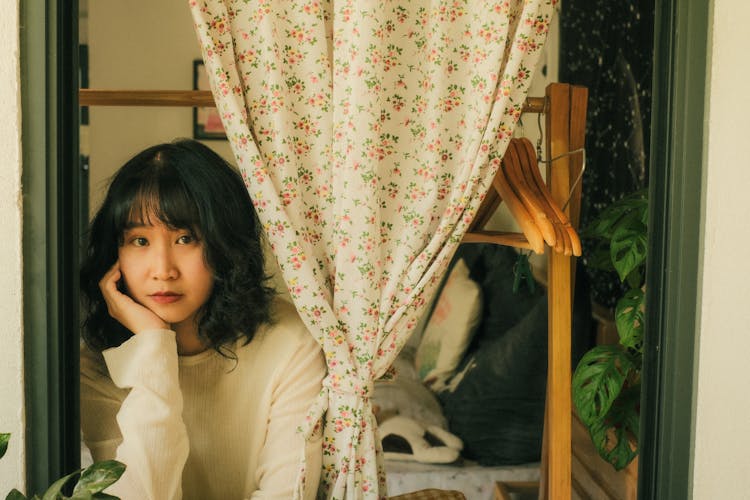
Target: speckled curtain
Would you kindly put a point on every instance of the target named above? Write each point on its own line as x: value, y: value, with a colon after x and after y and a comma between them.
x: 367, y: 132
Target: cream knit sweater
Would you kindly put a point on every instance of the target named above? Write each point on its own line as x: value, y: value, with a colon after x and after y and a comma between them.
x: 204, y: 426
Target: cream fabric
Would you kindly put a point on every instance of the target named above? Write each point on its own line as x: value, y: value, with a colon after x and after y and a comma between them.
x: 204, y: 426
x: 367, y: 132
x: 450, y: 328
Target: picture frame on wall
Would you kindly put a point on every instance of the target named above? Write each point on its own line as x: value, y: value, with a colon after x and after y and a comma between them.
x: 206, y: 120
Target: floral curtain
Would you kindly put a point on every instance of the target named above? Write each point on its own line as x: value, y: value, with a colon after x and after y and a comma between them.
x: 367, y: 132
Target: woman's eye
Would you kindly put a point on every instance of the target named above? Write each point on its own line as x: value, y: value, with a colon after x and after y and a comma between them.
x: 185, y: 239
x: 139, y: 242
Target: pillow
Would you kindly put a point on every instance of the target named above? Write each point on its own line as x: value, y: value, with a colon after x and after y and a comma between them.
x: 495, y: 400
x: 450, y: 327
x: 495, y: 404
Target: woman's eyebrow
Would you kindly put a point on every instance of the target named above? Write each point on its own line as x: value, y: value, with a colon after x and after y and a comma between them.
x: 136, y: 225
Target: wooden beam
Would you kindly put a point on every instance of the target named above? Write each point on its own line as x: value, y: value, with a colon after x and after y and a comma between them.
x: 166, y: 98
x: 196, y: 98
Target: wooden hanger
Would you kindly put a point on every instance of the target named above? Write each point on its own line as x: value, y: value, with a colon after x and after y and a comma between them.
x: 531, y: 238
x: 559, y: 218
x: 519, y: 183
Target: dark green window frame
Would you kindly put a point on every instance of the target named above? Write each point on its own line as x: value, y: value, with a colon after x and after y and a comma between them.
x: 675, y: 229
x: 49, y: 100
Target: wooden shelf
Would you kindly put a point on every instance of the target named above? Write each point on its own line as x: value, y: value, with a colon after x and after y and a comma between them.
x: 192, y: 98
x: 166, y: 98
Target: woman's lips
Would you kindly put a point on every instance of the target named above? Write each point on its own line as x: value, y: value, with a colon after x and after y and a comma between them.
x: 165, y: 298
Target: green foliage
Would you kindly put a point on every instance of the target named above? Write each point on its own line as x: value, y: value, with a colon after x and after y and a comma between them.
x: 4, y: 438
x: 606, y: 382
x: 614, y: 436
x: 91, y: 481
x: 629, y: 319
x: 598, y: 381
x: 619, y: 235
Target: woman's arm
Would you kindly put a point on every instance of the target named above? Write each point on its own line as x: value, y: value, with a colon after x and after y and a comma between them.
x: 299, y: 383
x: 154, y: 443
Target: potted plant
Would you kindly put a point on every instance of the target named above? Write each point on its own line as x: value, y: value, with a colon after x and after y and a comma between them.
x: 607, y: 380
x: 91, y: 481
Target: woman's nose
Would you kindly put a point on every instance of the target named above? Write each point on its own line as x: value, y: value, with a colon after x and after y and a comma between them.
x: 164, y: 266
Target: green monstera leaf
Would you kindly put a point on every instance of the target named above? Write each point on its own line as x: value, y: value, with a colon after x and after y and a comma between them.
x: 4, y: 438
x: 599, y: 379
x: 15, y: 495
x: 615, y: 436
x: 629, y: 317
x: 629, y: 247
x: 612, y: 217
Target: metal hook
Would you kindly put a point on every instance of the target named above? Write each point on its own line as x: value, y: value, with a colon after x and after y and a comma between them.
x: 541, y: 133
x: 540, y: 160
x: 580, y: 174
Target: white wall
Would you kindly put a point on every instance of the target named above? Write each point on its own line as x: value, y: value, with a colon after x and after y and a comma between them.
x: 12, y: 468
x: 722, y: 433
x: 138, y: 44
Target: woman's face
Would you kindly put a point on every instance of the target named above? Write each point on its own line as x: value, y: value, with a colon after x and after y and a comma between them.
x: 165, y: 270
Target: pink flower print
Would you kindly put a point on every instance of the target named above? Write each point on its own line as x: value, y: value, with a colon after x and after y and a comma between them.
x: 401, y: 14
x: 220, y: 26
x: 502, y: 8
x: 397, y: 102
x: 311, y: 7
x: 247, y: 56
x: 479, y: 55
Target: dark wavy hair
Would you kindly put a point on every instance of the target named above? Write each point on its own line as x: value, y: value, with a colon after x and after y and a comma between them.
x: 186, y: 186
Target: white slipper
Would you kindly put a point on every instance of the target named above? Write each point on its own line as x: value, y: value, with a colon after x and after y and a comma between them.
x: 404, y: 438
x: 450, y: 440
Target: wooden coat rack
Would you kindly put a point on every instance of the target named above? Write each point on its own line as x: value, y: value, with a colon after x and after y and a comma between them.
x: 565, y: 117
x: 564, y: 107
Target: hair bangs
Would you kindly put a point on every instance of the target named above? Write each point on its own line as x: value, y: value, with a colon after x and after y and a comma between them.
x: 161, y: 198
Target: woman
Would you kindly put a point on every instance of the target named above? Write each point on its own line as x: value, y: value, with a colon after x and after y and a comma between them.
x: 192, y: 374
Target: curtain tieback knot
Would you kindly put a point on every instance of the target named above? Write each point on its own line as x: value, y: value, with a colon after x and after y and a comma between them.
x: 349, y: 385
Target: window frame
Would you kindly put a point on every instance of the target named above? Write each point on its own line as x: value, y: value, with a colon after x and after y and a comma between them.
x: 49, y: 48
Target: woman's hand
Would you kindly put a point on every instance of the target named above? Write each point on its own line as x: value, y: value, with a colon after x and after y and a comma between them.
x: 133, y: 316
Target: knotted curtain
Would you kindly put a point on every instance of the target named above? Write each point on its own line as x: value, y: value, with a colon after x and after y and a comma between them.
x: 367, y: 133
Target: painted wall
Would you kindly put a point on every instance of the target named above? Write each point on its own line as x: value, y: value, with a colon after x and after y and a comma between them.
x: 722, y: 433
x: 138, y: 44
x: 12, y: 468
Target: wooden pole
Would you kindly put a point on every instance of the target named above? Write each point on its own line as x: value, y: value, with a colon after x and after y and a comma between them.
x: 558, y: 408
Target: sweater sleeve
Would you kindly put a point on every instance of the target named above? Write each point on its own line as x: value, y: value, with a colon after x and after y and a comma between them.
x: 299, y: 383
x: 154, y: 444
